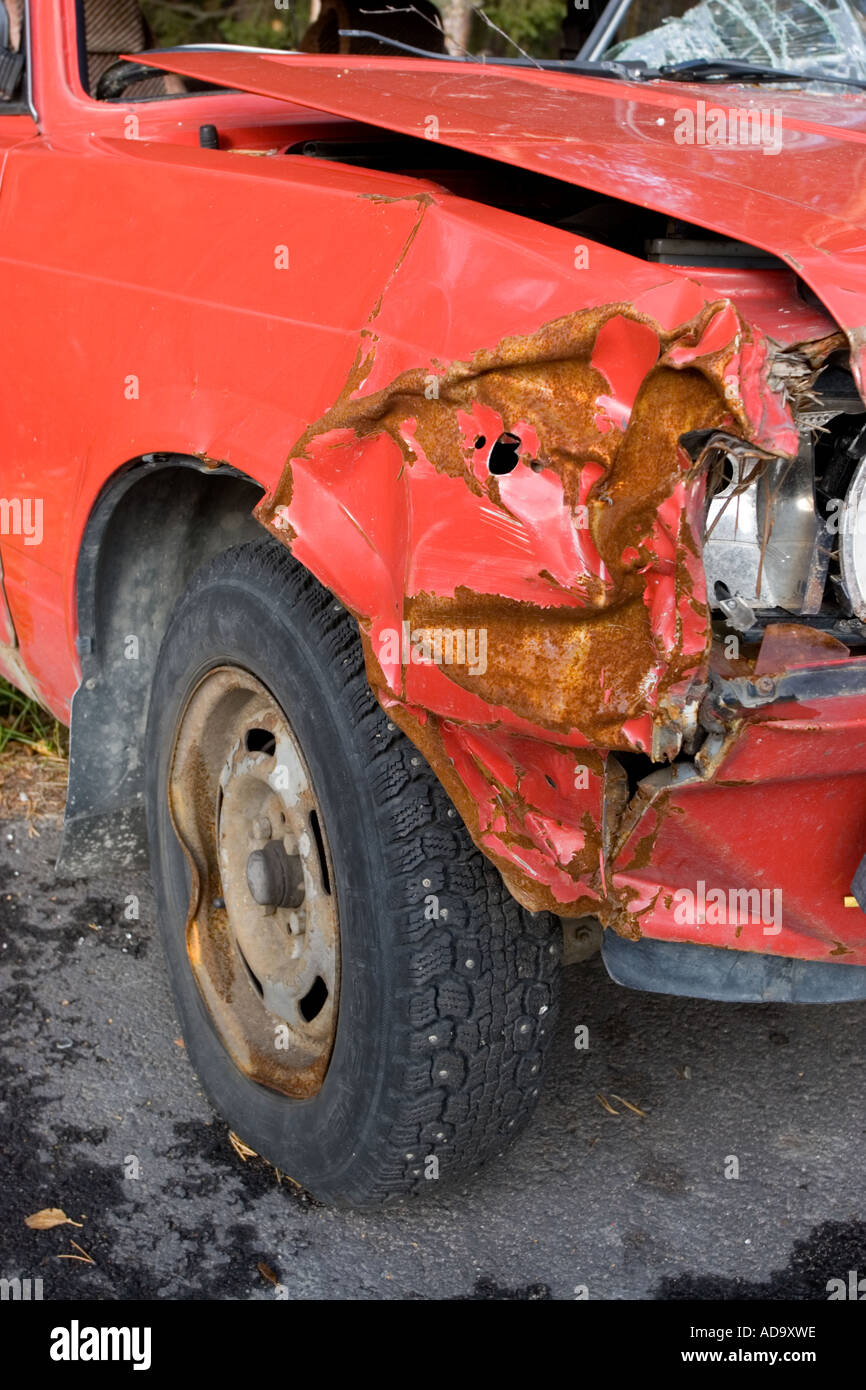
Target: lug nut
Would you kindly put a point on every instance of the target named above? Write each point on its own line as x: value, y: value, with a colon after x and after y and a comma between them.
x: 274, y: 878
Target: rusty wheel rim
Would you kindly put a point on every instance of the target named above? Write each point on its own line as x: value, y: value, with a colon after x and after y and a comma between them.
x: 262, y: 932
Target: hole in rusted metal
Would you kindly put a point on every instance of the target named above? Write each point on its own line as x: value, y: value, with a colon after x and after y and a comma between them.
x: 314, y: 1000
x: 503, y: 455
x: 320, y: 850
x: 260, y: 741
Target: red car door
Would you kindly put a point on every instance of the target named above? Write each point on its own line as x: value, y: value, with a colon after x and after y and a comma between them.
x: 16, y: 125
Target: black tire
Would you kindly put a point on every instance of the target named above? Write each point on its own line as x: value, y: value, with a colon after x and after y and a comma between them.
x: 443, y: 1025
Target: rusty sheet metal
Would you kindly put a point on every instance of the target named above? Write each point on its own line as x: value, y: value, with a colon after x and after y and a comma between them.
x: 538, y: 496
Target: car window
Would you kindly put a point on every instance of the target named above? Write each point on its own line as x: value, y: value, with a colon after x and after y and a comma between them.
x: 800, y: 36
x: 795, y: 35
x: 12, y: 57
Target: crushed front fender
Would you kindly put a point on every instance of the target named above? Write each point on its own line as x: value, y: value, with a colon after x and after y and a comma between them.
x: 519, y: 537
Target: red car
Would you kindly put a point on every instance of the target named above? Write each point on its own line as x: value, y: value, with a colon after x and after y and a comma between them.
x: 431, y: 492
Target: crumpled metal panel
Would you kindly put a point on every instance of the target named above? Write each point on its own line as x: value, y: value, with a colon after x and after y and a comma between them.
x: 783, y: 819
x: 581, y: 565
x: 802, y: 203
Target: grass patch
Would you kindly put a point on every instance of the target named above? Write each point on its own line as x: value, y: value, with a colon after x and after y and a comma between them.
x: 22, y: 720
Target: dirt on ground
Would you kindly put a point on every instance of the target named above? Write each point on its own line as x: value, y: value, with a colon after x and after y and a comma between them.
x: 32, y: 785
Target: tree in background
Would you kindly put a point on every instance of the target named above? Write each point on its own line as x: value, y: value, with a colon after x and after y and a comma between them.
x: 534, y: 25
x: 259, y: 23
x: 457, y: 22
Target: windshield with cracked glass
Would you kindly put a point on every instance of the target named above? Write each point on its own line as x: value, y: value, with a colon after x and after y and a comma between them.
x: 800, y: 42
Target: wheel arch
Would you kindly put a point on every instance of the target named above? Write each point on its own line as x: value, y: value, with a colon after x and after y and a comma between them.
x: 156, y: 520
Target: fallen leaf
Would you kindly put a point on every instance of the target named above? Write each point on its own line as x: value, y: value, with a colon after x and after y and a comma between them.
x: 266, y: 1272
x: 179, y: 1042
x: 609, y: 1108
x: 241, y: 1149
x: 48, y: 1217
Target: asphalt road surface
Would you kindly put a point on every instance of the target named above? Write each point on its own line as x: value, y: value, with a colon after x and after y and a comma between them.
x: 103, y: 1117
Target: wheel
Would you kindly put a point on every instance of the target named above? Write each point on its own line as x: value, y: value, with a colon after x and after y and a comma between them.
x: 361, y: 997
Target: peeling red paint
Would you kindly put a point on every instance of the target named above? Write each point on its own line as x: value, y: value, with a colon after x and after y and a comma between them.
x: 581, y: 565
x: 625, y: 351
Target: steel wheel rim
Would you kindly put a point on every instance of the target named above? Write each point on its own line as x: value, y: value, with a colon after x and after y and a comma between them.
x: 262, y: 931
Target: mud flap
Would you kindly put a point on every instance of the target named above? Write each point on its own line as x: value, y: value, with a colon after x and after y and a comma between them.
x: 743, y: 977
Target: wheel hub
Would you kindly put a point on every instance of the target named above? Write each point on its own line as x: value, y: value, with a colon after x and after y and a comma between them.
x: 263, y: 931
x: 274, y: 878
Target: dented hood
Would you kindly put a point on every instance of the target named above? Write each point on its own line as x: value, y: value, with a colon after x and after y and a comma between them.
x: 801, y: 199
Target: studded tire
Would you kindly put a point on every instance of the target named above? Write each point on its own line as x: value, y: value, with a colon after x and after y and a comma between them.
x: 444, y: 1021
